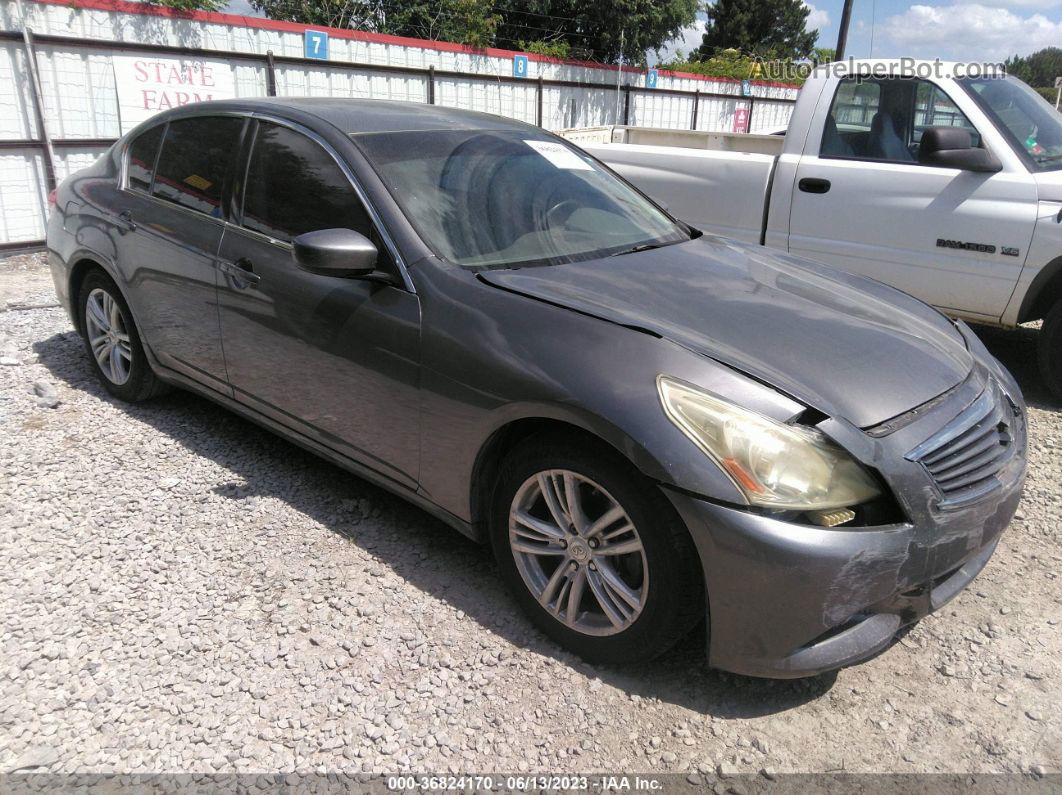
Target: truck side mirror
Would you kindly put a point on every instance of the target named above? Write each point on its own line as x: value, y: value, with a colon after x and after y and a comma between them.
x: 952, y: 147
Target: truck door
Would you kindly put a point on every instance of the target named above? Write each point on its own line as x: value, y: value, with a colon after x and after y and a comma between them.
x: 862, y: 201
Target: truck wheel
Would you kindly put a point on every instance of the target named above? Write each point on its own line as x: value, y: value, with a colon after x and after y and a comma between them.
x: 113, y: 343
x: 594, y: 553
x: 1049, y: 350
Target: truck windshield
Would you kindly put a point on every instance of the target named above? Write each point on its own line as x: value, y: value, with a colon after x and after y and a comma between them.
x: 489, y: 198
x: 1031, y: 125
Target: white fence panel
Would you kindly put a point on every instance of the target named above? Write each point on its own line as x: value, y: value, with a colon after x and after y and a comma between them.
x: 17, y: 119
x: 22, y: 200
x: 79, y: 93
x: 81, y: 104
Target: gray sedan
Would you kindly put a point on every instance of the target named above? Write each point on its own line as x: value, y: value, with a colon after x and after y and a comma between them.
x: 649, y: 425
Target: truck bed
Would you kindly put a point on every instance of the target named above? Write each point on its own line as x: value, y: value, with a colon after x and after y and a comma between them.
x: 720, y: 192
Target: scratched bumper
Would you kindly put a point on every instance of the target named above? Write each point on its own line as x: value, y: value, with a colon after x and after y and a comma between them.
x: 790, y: 600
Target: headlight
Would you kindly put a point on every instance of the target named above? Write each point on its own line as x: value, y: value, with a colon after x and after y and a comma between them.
x: 773, y: 464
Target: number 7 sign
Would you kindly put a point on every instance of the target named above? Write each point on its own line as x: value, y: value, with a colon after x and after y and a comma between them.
x: 317, y: 44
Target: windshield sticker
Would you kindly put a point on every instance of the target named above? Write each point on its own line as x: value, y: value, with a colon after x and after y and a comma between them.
x: 560, y: 155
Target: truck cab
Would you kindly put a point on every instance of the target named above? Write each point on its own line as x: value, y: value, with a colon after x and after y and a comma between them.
x: 945, y: 185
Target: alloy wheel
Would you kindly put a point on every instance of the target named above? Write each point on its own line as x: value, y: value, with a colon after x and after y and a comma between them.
x: 578, y: 552
x: 108, y: 336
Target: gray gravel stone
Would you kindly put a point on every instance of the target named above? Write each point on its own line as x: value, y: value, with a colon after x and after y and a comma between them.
x: 182, y: 590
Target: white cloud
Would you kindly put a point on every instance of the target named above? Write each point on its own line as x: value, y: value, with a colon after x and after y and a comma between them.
x: 1027, y: 4
x: 818, y: 18
x: 969, y: 32
x: 687, y: 41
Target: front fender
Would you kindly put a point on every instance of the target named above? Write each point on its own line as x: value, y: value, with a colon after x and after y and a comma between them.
x: 492, y: 358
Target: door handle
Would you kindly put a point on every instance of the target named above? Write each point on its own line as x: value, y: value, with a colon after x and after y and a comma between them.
x: 242, y: 272
x: 126, y: 217
x: 245, y: 265
x: 814, y: 185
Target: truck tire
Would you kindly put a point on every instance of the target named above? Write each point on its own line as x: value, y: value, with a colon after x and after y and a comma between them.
x: 1049, y: 351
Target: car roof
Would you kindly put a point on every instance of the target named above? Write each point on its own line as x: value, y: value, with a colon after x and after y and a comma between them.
x: 354, y: 116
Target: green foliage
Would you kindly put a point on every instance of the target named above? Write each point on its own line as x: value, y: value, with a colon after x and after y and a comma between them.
x: 553, y: 49
x: 732, y: 64
x: 190, y: 5
x: 765, y: 28
x: 604, y: 30
x: 820, y: 55
x: 471, y: 22
x: 1039, y: 70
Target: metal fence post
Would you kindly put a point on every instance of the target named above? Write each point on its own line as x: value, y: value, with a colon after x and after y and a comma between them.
x: 271, y: 75
x: 538, y: 101
x: 38, y: 109
x: 696, y: 106
x: 431, y: 85
x: 626, y: 104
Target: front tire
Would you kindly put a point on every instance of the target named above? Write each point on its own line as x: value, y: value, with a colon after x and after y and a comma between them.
x: 113, y: 342
x: 1049, y: 350
x: 593, y: 552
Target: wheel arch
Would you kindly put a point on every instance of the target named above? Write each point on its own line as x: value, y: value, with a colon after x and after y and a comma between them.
x: 503, y: 439
x: 1044, y: 291
x: 83, y: 264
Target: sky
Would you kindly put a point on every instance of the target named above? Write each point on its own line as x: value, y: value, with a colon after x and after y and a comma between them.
x: 958, y: 30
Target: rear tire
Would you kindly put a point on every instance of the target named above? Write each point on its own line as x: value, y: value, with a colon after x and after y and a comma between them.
x: 113, y: 342
x: 1049, y: 351
x: 629, y: 606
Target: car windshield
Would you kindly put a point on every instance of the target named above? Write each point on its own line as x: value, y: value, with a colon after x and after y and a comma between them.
x: 487, y: 198
x: 1032, y: 126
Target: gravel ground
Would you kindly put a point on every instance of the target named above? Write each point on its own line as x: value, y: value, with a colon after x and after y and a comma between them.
x: 181, y: 590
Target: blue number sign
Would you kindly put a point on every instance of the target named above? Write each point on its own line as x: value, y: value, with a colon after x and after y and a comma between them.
x: 746, y: 88
x: 519, y: 66
x: 317, y: 44
x: 650, y: 79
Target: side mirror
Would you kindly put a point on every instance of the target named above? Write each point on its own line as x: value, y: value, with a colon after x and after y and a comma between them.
x: 952, y: 147
x: 335, y: 252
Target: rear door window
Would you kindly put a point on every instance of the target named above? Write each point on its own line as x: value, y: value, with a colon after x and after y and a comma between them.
x: 294, y: 186
x: 142, y: 153
x: 195, y: 159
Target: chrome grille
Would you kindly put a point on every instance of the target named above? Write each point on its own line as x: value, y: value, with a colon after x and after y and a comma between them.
x: 965, y: 457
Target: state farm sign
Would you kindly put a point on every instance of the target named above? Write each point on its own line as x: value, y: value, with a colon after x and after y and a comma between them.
x: 148, y: 85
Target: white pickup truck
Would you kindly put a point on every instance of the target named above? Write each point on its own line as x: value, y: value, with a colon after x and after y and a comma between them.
x: 949, y: 189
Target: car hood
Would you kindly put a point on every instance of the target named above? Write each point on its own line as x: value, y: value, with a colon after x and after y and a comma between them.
x: 848, y: 346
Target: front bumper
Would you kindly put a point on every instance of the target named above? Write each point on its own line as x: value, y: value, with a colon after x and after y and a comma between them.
x: 789, y: 600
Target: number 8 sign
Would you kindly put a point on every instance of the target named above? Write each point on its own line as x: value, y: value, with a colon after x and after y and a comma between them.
x: 317, y: 44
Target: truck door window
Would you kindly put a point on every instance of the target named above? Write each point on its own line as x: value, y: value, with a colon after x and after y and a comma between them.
x: 848, y: 123
x: 934, y: 108
x: 883, y: 120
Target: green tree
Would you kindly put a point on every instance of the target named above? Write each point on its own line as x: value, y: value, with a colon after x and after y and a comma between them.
x: 1040, y: 69
x: 765, y: 28
x: 471, y: 22
x: 604, y: 30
